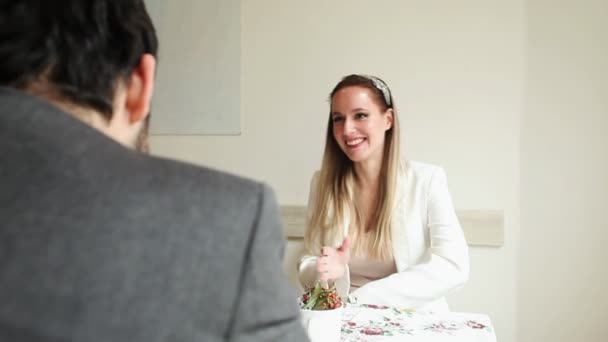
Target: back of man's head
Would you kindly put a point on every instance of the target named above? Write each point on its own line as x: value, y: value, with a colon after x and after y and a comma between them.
x: 77, y: 50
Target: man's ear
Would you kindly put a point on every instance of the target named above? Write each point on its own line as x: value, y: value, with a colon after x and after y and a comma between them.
x: 389, y: 117
x: 140, y: 86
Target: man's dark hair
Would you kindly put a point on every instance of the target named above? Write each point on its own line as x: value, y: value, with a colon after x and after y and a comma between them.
x: 80, y: 48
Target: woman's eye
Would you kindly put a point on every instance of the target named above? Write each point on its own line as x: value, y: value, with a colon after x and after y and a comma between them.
x: 361, y: 115
x: 337, y: 118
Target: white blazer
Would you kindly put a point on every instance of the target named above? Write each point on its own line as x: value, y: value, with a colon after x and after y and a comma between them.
x: 431, y: 253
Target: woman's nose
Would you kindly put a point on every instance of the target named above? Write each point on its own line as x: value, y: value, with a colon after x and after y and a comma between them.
x: 349, y: 125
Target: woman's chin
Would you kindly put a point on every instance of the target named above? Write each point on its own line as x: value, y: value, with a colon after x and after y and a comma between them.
x: 356, y: 157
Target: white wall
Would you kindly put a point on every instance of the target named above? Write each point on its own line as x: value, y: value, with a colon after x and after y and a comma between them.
x: 457, y: 73
x: 563, y: 276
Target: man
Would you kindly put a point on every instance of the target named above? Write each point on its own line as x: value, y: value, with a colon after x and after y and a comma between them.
x: 99, y: 242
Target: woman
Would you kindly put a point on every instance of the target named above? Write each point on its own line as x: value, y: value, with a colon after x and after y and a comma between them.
x: 384, y: 230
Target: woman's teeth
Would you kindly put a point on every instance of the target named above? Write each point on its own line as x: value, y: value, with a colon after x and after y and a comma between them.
x: 354, y: 142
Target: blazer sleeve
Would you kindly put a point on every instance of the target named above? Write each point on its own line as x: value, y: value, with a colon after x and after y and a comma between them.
x: 446, y: 267
x: 266, y: 308
x: 307, y: 267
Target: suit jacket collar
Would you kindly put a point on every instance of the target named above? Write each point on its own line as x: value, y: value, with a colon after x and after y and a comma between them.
x: 31, y: 125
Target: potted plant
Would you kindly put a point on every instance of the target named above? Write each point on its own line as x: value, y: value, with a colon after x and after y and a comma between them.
x: 321, y: 310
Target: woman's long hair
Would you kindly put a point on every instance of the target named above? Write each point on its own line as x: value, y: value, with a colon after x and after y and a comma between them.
x: 334, y: 207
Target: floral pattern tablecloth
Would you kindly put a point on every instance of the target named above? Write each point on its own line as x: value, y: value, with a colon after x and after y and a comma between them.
x: 362, y: 323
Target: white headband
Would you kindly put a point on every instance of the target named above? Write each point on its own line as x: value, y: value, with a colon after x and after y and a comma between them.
x: 380, y: 85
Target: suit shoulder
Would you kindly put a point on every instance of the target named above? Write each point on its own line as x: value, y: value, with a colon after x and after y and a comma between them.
x: 190, y: 178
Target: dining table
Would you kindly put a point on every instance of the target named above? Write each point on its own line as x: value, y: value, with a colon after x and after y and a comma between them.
x: 372, y: 323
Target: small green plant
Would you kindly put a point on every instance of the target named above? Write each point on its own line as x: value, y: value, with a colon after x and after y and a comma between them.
x: 321, y: 298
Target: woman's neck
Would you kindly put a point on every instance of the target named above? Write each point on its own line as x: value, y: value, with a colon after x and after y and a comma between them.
x: 367, y: 174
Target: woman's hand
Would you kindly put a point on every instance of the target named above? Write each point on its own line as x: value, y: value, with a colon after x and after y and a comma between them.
x: 332, y: 262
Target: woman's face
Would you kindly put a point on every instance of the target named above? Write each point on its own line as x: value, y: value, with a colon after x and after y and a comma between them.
x: 359, y: 123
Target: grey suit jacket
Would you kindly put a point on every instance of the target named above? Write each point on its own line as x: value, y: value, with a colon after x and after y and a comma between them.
x: 101, y: 243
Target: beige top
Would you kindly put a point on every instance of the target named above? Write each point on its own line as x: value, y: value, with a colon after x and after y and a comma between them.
x: 363, y: 270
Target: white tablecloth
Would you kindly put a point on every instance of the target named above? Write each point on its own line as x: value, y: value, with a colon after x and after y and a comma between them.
x: 380, y: 323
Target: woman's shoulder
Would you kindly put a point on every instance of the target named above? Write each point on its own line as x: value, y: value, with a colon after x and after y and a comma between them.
x: 417, y: 169
x: 315, y: 177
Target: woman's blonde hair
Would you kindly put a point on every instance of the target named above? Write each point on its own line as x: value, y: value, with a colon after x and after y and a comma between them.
x: 334, y: 207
